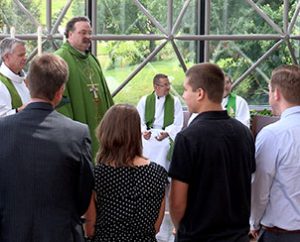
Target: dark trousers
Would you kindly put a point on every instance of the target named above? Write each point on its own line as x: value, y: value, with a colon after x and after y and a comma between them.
x: 279, y: 237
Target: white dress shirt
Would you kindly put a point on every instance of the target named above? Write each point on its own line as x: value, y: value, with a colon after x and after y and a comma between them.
x: 276, y: 182
x: 5, y: 98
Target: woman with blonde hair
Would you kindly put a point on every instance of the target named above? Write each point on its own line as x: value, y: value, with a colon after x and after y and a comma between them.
x: 129, y: 195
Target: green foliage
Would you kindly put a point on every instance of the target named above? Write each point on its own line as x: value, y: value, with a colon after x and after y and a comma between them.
x: 264, y: 112
x: 235, y: 57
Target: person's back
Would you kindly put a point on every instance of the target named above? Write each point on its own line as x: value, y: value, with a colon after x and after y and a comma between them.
x: 219, y: 178
x: 212, y: 164
x: 129, y: 198
x: 128, y: 201
x: 41, y: 188
x: 275, y: 202
x: 45, y: 163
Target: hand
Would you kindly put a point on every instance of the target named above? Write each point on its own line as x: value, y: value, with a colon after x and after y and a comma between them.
x: 147, y: 134
x: 22, y: 107
x: 162, y: 136
x: 254, y: 234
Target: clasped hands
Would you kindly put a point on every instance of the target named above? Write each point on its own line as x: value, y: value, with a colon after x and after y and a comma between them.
x: 162, y: 135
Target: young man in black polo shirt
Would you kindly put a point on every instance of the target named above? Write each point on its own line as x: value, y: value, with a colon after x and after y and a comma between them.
x: 212, y: 164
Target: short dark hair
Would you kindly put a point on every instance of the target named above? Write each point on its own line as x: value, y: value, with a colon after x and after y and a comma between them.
x: 209, y: 77
x: 287, y: 79
x: 119, y: 134
x: 70, y: 25
x: 157, y: 77
x: 47, y: 73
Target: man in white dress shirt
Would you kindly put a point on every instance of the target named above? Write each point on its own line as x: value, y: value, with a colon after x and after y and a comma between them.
x: 13, y: 91
x: 236, y: 106
x: 275, y: 205
x: 161, y: 119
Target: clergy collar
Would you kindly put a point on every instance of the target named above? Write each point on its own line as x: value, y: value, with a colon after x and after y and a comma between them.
x: 159, y: 98
x: 76, y: 52
x: 11, y: 75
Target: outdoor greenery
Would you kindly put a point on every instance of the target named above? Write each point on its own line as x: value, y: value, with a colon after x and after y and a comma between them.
x: 237, y: 56
x: 120, y: 58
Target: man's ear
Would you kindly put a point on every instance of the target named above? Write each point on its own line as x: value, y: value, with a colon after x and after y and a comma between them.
x: 59, y: 93
x: 277, y: 94
x: 201, y: 94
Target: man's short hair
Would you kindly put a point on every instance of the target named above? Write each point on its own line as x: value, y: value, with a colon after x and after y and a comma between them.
x: 157, y: 77
x: 70, y: 25
x: 47, y: 73
x: 287, y: 79
x: 209, y: 77
x: 7, y: 45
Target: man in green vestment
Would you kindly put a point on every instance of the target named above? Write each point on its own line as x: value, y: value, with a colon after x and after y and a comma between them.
x: 161, y: 119
x: 86, y: 96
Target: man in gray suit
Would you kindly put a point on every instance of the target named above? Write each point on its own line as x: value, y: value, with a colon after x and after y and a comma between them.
x: 46, y: 174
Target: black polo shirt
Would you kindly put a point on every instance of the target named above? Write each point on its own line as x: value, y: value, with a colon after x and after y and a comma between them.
x: 214, y: 155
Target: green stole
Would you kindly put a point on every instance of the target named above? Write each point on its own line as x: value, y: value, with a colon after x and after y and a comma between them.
x: 150, y: 111
x: 231, y: 105
x: 81, y: 101
x: 15, y: 97
x: 168, y: 116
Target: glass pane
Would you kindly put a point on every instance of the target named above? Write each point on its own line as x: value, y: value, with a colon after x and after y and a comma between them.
x: 237, y: 57
x: 188, y: 24
x: 238, y: 17
x: 118, y: 70
x: 122, y: 17
x: 15, y: 16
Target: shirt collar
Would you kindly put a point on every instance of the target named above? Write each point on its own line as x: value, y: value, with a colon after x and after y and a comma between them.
x: 11, y: 75
x: 290, y: 111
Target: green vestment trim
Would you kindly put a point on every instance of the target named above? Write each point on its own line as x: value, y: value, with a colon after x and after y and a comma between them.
x: 168, y: 116
x: 150, y: 111
x: 231, y: 105
x: 16, y: 100
x: 86, y: 96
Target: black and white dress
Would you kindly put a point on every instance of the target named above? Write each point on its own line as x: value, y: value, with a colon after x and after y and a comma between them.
x: 128, y: 201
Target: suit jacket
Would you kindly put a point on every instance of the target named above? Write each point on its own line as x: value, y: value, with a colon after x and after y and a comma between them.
x: 46, y: 175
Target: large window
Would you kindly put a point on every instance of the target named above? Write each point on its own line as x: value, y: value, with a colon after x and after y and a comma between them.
x: 136, y: 39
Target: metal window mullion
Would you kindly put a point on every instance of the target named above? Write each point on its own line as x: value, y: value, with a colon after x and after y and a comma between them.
x: 285, y: 15
x: 264, y: 16
x: 206, y: 30
x: 27, y: 13
x: 180, y: 16
x: 230, y: 37
x: 48, y: 15
x: 61, y: 16
x: 140, y: 67
x: 262, y: 58
x: 170, y: 16
x: 150, y: 17
x: 292, y: 51
x: 294, y: 18
x: 179, y: 56
x: 94, y: 25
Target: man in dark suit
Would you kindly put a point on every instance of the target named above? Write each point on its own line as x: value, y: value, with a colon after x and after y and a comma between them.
x: 46, y: 174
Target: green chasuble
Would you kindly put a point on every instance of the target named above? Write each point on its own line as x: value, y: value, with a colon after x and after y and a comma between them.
x: 86, y: 97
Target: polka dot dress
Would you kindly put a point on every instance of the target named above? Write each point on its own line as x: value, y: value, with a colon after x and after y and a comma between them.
x: 128, y: 201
